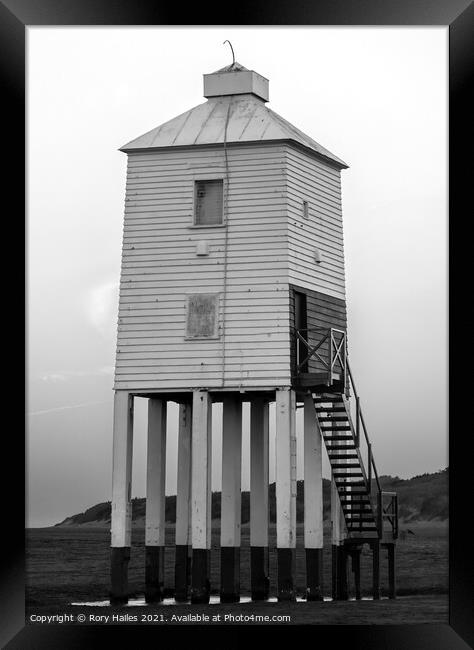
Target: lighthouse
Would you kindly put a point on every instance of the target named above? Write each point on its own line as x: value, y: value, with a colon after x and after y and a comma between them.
x: 232, y: 290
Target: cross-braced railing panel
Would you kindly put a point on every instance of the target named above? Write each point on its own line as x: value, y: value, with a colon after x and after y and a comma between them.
x: 323, y: 350
x: 388, y: 513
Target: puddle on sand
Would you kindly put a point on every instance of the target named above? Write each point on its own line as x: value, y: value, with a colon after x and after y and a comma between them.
x: 214, y: 600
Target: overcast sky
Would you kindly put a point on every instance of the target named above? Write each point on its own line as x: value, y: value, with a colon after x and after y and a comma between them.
x: 376, y: 97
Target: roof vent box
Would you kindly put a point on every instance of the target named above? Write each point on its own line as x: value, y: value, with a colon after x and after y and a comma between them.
x: 239, y: 82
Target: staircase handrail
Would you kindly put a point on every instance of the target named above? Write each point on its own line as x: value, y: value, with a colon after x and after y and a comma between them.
x: 360, y: 418
x: 382, y: 513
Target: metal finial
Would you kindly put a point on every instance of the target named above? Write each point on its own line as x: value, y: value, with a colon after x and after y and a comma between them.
x: 233, y: 55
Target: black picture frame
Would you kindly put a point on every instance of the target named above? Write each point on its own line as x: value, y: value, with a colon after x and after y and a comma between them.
x: 15, y: 16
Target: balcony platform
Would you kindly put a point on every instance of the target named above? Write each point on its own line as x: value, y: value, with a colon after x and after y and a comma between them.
x: 317, y: 382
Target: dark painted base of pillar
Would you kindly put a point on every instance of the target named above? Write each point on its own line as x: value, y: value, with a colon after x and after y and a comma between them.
x: 259, y: 580
x: 181, y: 573
x: 376, y: 570
x: 154, y: 573
x: 230, y: 574
x: 391, y: 571
x: 356, y: 571
x: 200, y: 585
x: 343, y: 593
x: 334, y: 570
x: 339, y: 572
x: 119, y: 559
x: 286, y: 571
x: 314, y: 574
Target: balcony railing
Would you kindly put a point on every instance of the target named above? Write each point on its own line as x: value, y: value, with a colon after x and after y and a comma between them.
x: 322, y: 350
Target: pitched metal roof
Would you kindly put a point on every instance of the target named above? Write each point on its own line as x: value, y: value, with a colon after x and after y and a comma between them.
x: 249, y: 120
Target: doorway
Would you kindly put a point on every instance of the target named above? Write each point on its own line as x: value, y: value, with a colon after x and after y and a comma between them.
x: 301, y: 323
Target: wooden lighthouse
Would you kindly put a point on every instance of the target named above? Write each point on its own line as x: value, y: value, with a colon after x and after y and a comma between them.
x: 232, y: 290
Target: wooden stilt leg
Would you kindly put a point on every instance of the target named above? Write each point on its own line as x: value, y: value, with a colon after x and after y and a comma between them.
x: 391, y: 570
x: 334, y: 570
x: 376, y: 569
x: 336, y: 534
x: 183, y: 505
x: 121, y: 524
x: 201, y: 496
x: 285, y: 447
x: 356, y: 570
x: 313, y: 501
x: 231, y: 499
x: 155, y: 501
x: 342, y: 586
x: 259, y: 428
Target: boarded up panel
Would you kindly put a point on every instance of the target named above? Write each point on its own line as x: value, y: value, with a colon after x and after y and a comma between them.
x: 202, y: 315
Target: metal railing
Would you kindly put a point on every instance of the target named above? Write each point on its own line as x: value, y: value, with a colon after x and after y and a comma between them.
x: 327, y: 347
x: 385, y: 511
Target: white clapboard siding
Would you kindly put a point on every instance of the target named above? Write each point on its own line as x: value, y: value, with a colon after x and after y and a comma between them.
x: 309, y: 179
x: 160, y: 268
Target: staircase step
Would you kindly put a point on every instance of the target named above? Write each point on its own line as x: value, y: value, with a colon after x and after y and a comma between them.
x: 340, y: 456
x: 335, y: 429
x: 345, y: 465
x: 331, y: 434
x: 357, y: 511
x: 334, y: 447
x: 347, y: 474
x: 365, y: 529
x: 336, y: 418
x: 333, y: 399
x: 365, y: 501
x: 330, y: 409
x: 343, y: 493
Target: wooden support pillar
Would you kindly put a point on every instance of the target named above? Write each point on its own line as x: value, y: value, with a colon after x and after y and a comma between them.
x: 259, y: 427
x: 155, y: 501
x: 356, y: 571
x: 285, y: 447
x: 231, y: 499
x: 335, y: 538
x: 334, y: 559
x: 313, y: 501
x: 391, y: 571
x: 183, y: 505
x: 376, y: 569
x: 342, y: 588
x: 121, y: 517
x: 339, y: 572
x: 201, y: 495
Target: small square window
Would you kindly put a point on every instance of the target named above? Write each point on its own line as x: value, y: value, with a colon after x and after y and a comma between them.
x: 202, y: 316
x: 208, y: 202
x: 305, y: 210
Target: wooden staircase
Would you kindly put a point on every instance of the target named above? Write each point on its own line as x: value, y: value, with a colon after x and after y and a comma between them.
x: 322, y: 368
x: 347, y: 465
x: 366, y: 518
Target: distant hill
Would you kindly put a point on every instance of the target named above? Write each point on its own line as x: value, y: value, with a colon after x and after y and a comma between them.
x: 423, y: 497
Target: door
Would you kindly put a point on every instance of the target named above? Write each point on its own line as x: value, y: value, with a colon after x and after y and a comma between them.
x: 301, y: 323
